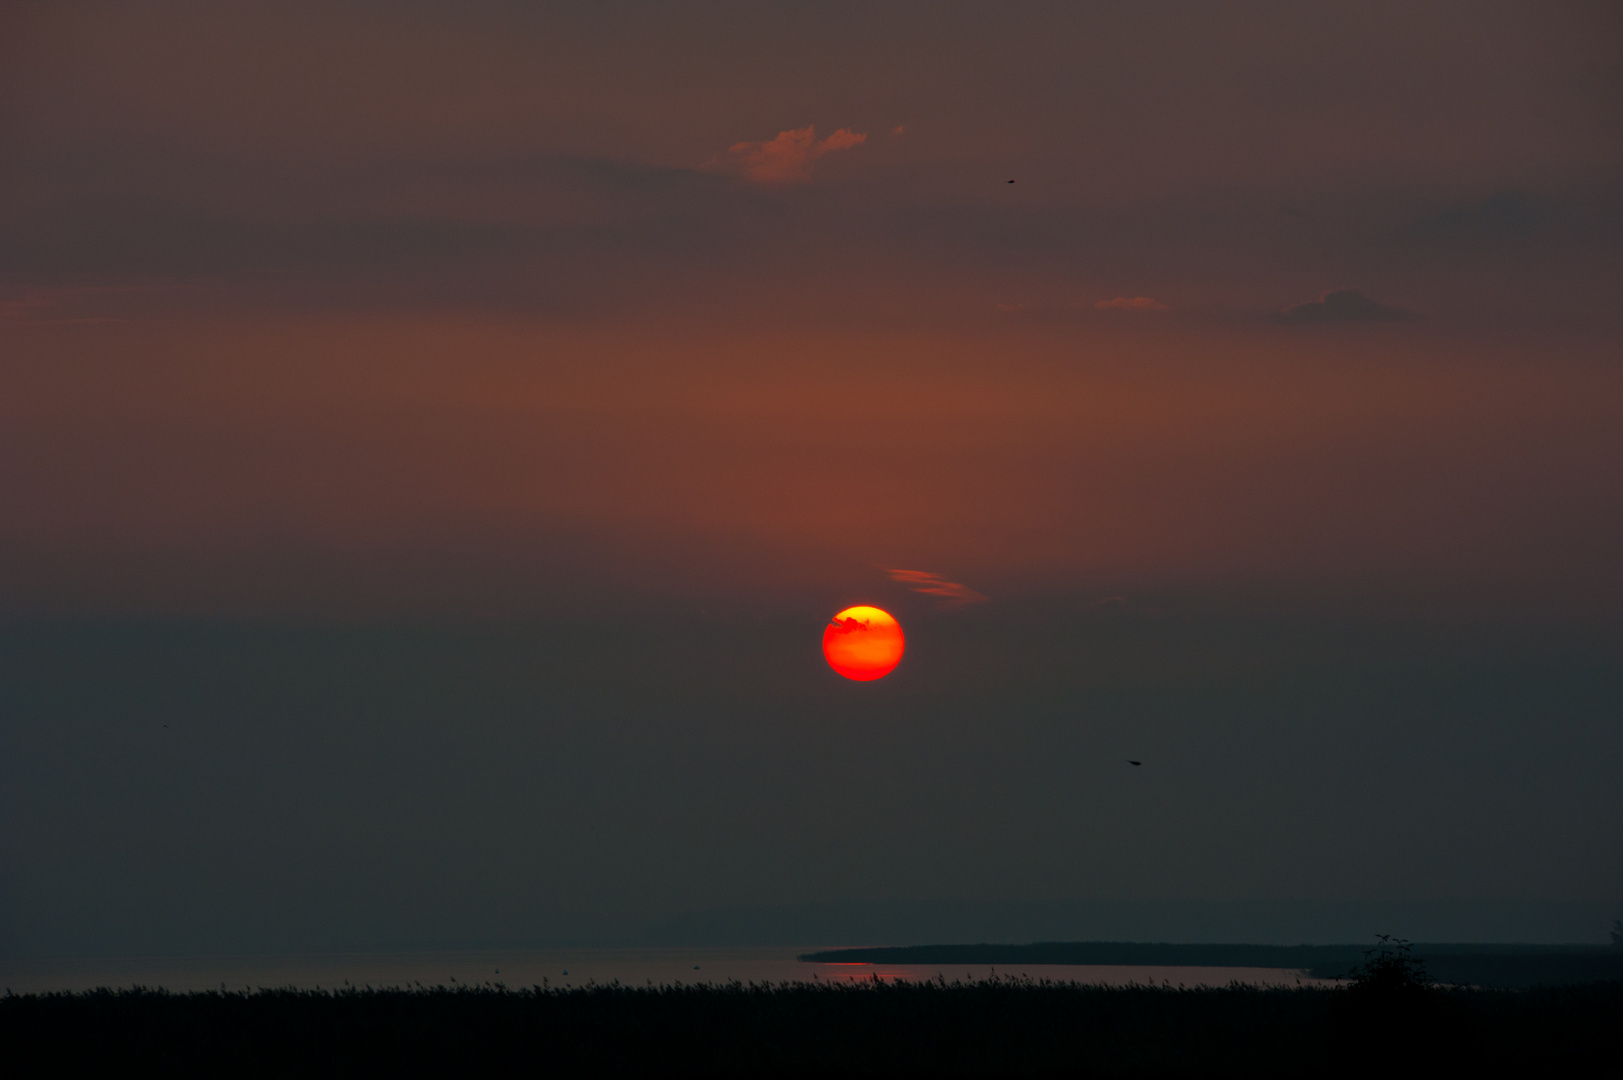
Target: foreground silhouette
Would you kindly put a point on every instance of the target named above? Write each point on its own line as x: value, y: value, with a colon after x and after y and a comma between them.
x: 1001, y: 1026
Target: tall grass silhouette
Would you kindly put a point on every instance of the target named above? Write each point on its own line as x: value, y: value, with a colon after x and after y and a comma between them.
x: 1004, y: 1025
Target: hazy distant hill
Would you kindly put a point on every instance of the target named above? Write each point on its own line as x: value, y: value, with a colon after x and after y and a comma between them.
x: 1274, y: 922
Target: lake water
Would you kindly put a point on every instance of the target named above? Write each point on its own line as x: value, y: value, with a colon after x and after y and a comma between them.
x: 568, y: 968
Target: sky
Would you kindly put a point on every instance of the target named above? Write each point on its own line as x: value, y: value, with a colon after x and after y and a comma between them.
x: 434, y: 437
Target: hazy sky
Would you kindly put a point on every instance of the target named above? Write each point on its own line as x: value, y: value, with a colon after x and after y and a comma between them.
x: 456, y: 423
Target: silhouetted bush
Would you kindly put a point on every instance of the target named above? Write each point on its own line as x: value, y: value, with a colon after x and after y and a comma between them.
x: 1392, y: 1013
x: 1390, y: 972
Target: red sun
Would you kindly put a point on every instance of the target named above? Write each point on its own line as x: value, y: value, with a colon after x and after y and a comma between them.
x: 863, y: 643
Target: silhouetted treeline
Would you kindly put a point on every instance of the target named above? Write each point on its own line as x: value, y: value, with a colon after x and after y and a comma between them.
x: 1006, y: 1026
x: 1510, y: 966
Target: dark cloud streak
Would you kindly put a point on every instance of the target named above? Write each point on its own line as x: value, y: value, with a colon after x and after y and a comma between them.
x: 1344, y: 306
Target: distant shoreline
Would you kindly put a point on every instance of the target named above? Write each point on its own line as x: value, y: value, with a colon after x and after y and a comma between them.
x: 1462, y: 963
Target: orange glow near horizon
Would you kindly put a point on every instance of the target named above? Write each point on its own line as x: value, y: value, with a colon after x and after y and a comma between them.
x: 863, y: 643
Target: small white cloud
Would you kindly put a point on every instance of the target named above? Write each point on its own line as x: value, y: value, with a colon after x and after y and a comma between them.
x: 788, y: 158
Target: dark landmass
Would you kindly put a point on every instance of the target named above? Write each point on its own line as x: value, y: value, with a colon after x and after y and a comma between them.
x: 1006, y: 1026
x: 1501, y: 966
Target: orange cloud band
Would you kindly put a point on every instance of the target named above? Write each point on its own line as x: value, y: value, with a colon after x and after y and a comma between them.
x: 1130, y: 303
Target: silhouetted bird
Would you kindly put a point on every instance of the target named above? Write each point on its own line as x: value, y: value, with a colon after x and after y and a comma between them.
x: 1011, y: 181
x: 1130, y: 761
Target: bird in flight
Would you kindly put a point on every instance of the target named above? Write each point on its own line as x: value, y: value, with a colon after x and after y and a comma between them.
x: 1130, y: 761
x: 1011, y: 181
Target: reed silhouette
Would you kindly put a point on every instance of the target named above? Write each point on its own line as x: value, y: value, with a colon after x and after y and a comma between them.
x: 1005, y: 1025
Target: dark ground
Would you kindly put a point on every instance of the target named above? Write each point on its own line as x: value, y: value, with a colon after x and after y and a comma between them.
x: 1009, y: 1026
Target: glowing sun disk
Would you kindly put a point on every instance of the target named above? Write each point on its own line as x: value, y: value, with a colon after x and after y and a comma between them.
x: 863, y: 643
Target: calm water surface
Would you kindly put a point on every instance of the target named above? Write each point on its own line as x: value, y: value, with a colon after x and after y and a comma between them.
x: 567, y: 968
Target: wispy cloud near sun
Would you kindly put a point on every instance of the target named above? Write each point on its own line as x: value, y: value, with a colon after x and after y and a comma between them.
x: 788, y: 158
x: 922, y: 581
